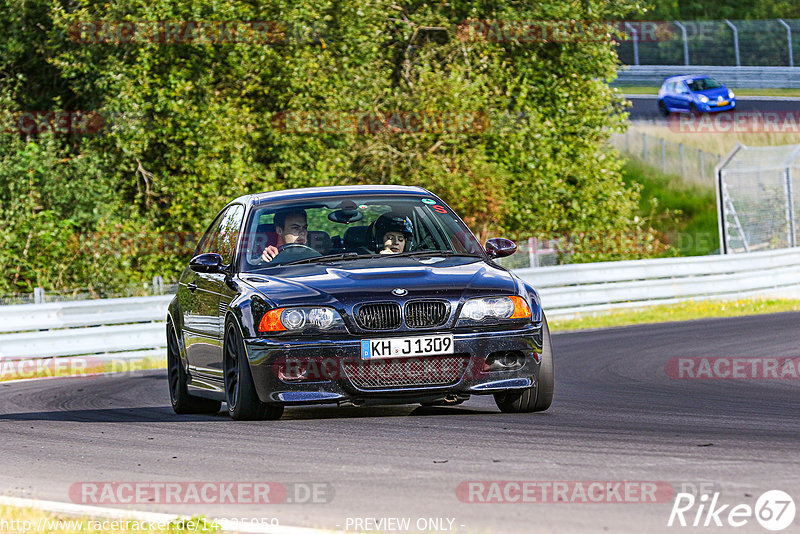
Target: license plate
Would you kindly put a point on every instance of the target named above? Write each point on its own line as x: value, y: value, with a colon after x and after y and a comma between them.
x: 722, y: 103
x: 400, y: 347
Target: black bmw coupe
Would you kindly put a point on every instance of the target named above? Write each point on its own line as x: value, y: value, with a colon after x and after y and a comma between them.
x: 361, y: 295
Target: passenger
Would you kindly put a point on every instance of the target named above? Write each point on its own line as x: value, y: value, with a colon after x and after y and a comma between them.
x: 392, y: 233
x: 291, y: 225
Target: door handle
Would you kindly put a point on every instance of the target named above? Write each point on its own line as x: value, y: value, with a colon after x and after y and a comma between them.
x: 192, y: 286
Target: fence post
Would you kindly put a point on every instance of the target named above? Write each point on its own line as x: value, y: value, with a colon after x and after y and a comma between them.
x: 644, y: 146
x: 663, y: 156
x: 685, y: 42
x: 790, y: 208
x: 683, y: 168
x: 735, y: 41
x: 158, y: 285
x: 702, y: 165
x: 635, y: 43
x: 38, y: 295
x: 627, y: 142
x: 533, y: 260
x: 788, y: 41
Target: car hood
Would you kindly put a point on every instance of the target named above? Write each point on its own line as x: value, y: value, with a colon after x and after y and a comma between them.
x: 712, y: 94
x: 344, y: 284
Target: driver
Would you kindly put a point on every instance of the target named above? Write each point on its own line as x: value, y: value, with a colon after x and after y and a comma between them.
x: 392, y: 233
x: 291, y: 225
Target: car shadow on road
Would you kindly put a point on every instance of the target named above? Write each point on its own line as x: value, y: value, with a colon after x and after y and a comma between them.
x: 406, y: 410
x: 164, y: 414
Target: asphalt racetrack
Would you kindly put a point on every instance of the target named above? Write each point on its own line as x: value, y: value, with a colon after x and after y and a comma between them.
x: 617, y: 416
x: 645, y: 107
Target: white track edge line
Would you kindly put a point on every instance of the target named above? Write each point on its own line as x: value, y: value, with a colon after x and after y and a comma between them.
x: 150, y: 517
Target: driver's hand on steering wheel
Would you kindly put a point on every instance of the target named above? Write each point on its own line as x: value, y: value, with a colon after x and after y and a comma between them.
x: 269, y: 253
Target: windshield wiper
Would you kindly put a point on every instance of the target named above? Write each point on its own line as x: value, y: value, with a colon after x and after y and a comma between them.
x: 331, y: 257
x: 435, y: 253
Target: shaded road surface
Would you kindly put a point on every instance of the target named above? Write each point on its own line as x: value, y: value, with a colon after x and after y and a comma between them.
x: 617, y: 416
x: 645, y: 107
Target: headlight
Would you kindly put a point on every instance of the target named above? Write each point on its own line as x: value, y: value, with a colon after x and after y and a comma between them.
x: 730, y: 94
x: 299, y: 319
x: 481, y: 309
x: 703, y: 99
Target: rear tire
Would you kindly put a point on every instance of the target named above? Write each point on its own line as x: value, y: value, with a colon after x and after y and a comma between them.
x: 240, y: 391
x: 182, y: 402
x: 539, y: 397
x: 662, y: 107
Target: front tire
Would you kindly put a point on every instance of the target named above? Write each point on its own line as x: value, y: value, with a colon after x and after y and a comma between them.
x: 240, y: 391
x: 662, y: 107
x: 182, y: 402
x: 539, y: 397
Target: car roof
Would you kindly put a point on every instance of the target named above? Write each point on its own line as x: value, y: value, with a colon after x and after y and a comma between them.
x: 683, y: 77
x: 342, y: 190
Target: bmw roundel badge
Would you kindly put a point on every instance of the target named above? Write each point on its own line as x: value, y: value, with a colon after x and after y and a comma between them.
x: 399, y: 291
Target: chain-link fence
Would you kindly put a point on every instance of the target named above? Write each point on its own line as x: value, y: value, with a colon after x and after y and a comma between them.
x: 40, y: 296
x: 771, y: 42
x: 759, y: 189
x: 692, y: 164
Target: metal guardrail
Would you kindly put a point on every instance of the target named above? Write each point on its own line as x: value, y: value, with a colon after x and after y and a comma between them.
x: 111, y: 328
x: 567, y: 290
x: 130, y: 328
x: 733, y: 77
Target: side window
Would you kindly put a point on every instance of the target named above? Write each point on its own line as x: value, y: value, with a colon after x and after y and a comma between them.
x: 207, y: 242
x: 225, y: 241
x: 221, y: 237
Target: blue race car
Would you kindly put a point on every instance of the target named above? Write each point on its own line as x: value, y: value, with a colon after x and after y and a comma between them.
x: 694, y: 94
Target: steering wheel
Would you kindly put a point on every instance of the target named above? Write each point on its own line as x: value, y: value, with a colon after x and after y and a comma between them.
x: 293, y: 245
x: 295, y: 251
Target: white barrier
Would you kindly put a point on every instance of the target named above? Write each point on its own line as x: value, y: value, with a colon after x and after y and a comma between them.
x: 734, y: 77
x: 134, y: 327
x: 120, y: 328
x: 589, y: 287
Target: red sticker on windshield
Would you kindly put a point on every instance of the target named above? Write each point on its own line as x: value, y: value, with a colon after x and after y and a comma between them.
x: 439, y: 209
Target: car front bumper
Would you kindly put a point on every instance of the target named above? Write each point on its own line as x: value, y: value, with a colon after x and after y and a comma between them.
x: 709, y: 108
x: 336, y: 369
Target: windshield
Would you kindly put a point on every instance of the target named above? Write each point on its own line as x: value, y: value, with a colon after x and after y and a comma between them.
x: 354, y: 227
x: 703, y: 84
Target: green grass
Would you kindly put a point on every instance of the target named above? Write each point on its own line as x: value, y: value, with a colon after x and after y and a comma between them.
x: 646, y: 90
x: 683, y: 311
x: 685, y: 213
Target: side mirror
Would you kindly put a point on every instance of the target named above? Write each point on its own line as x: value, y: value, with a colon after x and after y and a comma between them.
x: 207, y: 263
x: 498, y: 247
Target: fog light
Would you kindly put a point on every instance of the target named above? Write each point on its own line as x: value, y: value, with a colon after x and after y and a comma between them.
x: 504, y: 361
